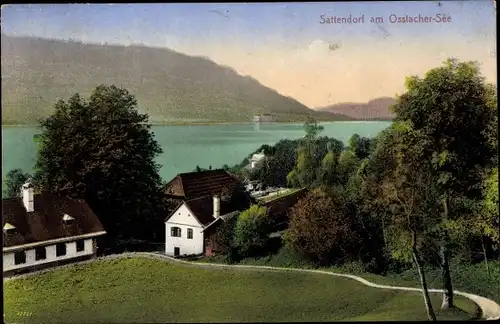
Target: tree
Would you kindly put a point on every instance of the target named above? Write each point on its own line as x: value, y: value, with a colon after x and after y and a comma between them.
x: 412, y: 195
x: 347, y: 165
x: 485, y: 221
x: 279, y: 160
x: 308, y: 160
x: 451, y: 110
x: 312, y: 128
x: 329, y: 169
x: 225, y: 236
x: 102, y: 150
x: 380, y: 165
x: 14, y: 179
x: 318, y: 229
x: 491, y: 206
x: 237, y: 197
x: 251, y: 234
x: 361, y: 146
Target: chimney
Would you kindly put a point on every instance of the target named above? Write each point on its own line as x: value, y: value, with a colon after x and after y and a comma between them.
x: 28, y: 199
x: 216, y: 206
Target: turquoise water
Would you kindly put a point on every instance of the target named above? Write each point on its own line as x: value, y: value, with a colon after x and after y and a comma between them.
x: 184, y: 147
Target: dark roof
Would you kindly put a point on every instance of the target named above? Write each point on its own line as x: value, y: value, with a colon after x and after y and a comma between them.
x: 279, y: 207
x: 46, y: 222
x: 198, y: 184
x: 222, y: 218
x: 203, y: 209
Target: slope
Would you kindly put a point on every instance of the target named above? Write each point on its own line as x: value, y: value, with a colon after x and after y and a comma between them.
x: 169, y: 86
x: 378, y: 108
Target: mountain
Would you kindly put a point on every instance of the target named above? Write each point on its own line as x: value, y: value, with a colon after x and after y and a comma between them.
x: 169, y: 86
x: 374, y: 109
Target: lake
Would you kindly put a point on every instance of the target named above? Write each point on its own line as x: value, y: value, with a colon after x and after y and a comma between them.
x: 185, y: 147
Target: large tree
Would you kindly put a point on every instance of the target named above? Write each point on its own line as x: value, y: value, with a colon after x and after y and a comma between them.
x: 102, y: 150
x: 451, y: 109
x: 309, y: 158
x: 411, y: 194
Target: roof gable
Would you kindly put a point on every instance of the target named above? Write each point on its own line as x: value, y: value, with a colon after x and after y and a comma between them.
x: 46, y: 222
x: 198, y: 184
x: 183, y: 215
x: 174, y: 187
x: 201, y: 208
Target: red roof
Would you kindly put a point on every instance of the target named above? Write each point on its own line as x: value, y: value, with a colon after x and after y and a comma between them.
x: 46, y: 221
x: 198, y: 184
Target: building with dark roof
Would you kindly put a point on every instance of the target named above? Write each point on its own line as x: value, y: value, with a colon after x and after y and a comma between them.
x: 184, y: 227
x: 45, y: 230
x: 186, y: 186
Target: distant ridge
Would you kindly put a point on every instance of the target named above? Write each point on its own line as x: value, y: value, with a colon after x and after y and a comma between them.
x: 169, y: 86
x: 378, y: 109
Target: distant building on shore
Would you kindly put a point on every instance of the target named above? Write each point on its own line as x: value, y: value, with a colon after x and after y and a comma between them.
x: 264, y: 118
x: 256, y: 158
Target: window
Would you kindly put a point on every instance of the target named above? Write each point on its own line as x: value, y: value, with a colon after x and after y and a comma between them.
x: 80, y: 245
x: 68, y: 220
x: 60, y: 249
x: 40, y: 253
x: 190, y: 233
x: 175, y: 231
x: 20, y: 257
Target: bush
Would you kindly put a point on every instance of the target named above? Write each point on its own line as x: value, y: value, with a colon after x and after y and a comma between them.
x: 319, y: 230
x: 251, y: 235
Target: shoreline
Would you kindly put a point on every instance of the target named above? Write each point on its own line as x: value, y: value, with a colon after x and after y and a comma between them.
x: 228, y: 123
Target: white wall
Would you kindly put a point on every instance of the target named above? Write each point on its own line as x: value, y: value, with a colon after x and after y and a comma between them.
x: 50, y: 251
x: 183, y: 219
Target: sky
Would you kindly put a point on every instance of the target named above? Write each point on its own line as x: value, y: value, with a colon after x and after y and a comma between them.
x: 287, y: 46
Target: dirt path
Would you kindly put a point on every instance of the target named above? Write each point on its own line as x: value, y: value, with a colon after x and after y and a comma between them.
x: 490, y: 309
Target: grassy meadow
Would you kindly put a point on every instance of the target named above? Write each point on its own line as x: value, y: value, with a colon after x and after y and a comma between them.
x: 145, y: 290
x: 471, y: 278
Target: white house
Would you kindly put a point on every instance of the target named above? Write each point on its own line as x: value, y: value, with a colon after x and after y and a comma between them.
x: 46, y: 230
x: 184, y: 227
x: 256, y: 158
x: 264, y: 118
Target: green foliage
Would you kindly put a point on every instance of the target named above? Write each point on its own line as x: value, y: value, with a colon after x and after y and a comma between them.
x: 283, y: 158
x: 14, y: 180
x: 279, y: 161
x: 329, y: 169
x: 309, y: 171
x: 486, y: 220
x: 452, y: 108
x: 348, y: 164
x: 240, y: 198
x: 312, y: 128
x: 252, y: 230
x: 292, y: 179
x: 102, y: 150
x: 361, y: 146
x: 225, y: 235
x: 472, y: 278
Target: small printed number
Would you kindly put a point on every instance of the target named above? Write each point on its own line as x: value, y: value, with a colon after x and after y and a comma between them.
x: 25, y: 314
